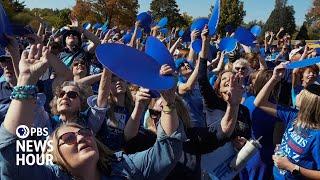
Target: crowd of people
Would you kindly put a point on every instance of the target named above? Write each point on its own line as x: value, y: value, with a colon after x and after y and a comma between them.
x: 104, y: 127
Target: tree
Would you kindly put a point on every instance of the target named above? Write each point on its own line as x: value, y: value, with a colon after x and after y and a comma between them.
x: 167, y: 8
x: 313, y: 20
x: 252, y: 23
x: 187, y: 18
x: 120, y: 12
x: 303, y: 33
x: 281, y: 16
x: 231, y: 13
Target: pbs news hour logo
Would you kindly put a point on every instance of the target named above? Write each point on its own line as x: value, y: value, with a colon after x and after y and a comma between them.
x: 36, y: 150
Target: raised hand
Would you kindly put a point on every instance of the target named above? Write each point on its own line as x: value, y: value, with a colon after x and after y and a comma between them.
x: 205, y: 33
x: 278, y: 71
x: 168, y: 96
x: 143, y: 96
x: 194, y: 35
x: 235, y: 91
x: 74, y: 20
x: 33, y: 64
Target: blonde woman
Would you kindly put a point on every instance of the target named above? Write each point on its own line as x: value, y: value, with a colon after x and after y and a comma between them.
x: 300, y: 149
x: 76, y: 153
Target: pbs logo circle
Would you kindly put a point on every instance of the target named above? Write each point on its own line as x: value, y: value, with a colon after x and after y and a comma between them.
x: 22, y: 131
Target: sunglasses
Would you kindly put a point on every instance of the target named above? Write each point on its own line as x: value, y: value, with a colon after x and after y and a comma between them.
x: 154, y: 112
x: 70, y: 94
x: 80, y: 62
x: 242, y: 68
x: 71, y: 137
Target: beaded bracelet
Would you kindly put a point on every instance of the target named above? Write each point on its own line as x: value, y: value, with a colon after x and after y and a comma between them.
x: 24, y: 92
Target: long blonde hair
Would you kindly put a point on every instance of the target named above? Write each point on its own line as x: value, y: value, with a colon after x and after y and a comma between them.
x: 309, y: 113
x: 105, y: 154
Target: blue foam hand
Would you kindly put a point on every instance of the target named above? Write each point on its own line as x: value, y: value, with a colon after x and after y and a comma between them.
x: 197, y: 45
x: 199, y: 24
x: 159, y: 52
x: 163, y: 22
x: 303, y: 63
x: 228, y: 44
x: 256, y: 30
x: 214, y: 20
x: 133, y: 66
x: 244, y: 36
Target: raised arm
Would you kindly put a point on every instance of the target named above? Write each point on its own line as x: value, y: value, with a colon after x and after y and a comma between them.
x: 104, y: 88
x: 185, y: 87
x: 21, y: 110
x: 134, y: 35
x: 175, y: 45
x: 278, y: 34
x: 132, y: 127
x: 192, y: 55
x: 89, y: 80
x: 235, y: 92
x: 262, y: 99
x: 61, y: 70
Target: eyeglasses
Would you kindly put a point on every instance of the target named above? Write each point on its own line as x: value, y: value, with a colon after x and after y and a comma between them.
x: 242, y: 68
x: 70, y: 94
x: 154, y: 112
x: 71, y: 137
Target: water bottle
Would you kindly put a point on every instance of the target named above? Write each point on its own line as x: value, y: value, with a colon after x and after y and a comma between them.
x: 280, y: 153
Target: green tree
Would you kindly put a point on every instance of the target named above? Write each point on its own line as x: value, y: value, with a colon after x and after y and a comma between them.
x: 231, y: 13
x: 187, y: 18
x: 281, y: 16
x: 170, y: 9
x: 252, y: 23
x: 303, y: 33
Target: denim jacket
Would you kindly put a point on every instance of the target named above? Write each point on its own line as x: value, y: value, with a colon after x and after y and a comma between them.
x: 153, y: 163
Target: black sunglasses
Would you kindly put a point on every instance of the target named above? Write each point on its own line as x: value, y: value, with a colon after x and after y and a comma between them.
x: 154, y: 112
x: 70, y: 94
x: 242, y: 68
x: 71, y: 137
x: 79, y: 62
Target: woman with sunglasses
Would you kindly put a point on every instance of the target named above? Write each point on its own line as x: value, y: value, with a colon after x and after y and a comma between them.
x: 298, y: 156
x: 76, y: 153
x: 188, y: 88
x: 80, y: 71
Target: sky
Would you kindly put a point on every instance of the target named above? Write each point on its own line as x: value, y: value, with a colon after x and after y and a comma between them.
x: 255, y: 9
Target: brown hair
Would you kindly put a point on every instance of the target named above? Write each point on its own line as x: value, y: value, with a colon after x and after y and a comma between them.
x: 216, y: 85
x: 261, y: 78
x: 84, y: 93
x: 105, y: 154
x: 128, y: 103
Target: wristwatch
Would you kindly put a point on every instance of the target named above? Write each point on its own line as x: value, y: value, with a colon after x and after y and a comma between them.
x: 296, y: 170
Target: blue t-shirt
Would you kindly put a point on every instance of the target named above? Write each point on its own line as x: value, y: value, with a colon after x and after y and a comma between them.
x: 260, y: 166
x: 194, y: 103
x: 300, y: 146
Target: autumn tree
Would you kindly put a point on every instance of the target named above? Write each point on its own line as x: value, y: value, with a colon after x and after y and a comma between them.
x: 231, y: 13
x: 120, y: 12
x: 313, y: 20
